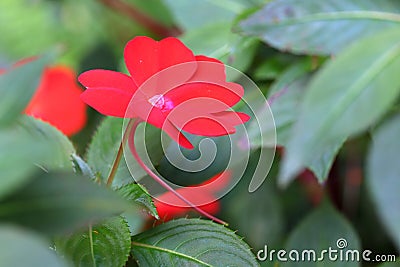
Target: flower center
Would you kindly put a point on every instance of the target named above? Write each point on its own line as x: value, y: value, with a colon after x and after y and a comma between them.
x: 161, y: 102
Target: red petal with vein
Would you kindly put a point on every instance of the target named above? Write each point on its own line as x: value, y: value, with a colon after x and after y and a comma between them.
x: 107, y: 101
x: 207, y: 127
x: 227, y: 93
x: 144, y: 57
x: 57, y: 100
x: 107, y: 79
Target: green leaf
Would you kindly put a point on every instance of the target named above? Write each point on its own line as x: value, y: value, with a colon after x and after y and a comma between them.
x: 321, y: 164
x: 273, y: 67
x: 191, y: 242
x: 344, y: 98
x: 103, y: 245
x: 285, y: 95
x: 234, y: 50
x: 383, y: 175
x: 62, y: 148
x: 284, y: 98
x: 20, y: 147
x: 207, y: 12
x: 156, y: 9
x: 138, y: 195
x: 71, y: 24
x: 28, y: 145
x: 267, y: 222
x: 104, y: 146
x: 297, y: 70
x: 215, y: 17
x: 103, y: 150
x: 81, y: 167
x: 17, y: 86
x: 58, y: 202
x: 320, y: 231
x: 308, y: 26
x: 23, y: 248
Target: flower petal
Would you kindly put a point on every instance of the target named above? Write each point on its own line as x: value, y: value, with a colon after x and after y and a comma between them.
x: 207, y: 126
x: 176, y: 135
x: 169, y: 206
x: 107, y: 79
x: 209, y: 81
x: 214, y: 124
x: 227, y: 93
x: 203, y: 195
x: 210, y: 59
x: 195, y: 195
x: 217, y: 182
x: 145, y: 57
x: 234, y: 118
x: 168, y: 212
x: 194, y: 117
x: 57, y: 101
x: 142, y: 108
x: 107, y: 101
x: 208, y: 70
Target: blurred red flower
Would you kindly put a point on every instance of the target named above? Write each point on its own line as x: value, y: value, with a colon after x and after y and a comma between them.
x: 193, y: 97
x: 170, y: 206
x: 57, y: 100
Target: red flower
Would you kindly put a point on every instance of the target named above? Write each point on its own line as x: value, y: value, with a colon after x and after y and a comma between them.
x: 203, y: 195
x: 57, y: 101
x: 193, y: 97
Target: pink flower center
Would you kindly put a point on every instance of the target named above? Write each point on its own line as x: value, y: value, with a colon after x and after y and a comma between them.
x: 161, y: 102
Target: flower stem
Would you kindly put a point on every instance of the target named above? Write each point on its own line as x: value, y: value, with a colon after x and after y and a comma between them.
x: 115, y: 165
x: 118, y: 158
x: 161, y: 181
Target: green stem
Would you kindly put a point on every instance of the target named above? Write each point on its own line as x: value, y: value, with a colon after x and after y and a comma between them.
x: 118, y: 157
x: 91, y: 245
